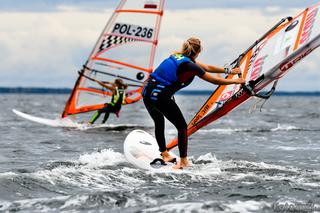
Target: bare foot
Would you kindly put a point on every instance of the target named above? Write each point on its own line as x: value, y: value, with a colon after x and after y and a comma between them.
x: 182, y: 163
x: 166, y: 156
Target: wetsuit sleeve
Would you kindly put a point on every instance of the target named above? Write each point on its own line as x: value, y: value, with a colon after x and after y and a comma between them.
x: 192, y: 68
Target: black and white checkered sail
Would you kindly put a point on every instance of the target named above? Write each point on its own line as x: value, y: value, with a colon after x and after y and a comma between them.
x: 112, y: 40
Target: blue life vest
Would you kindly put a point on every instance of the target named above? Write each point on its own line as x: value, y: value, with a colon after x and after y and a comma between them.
x: 166, y: 72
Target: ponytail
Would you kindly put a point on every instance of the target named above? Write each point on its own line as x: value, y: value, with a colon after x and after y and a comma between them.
x: 191, y: 48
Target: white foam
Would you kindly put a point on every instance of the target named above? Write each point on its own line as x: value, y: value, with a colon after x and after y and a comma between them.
x: 262, y: 165
x: 293, y: 148
x: 74, y: 202
x: 207, y: 157
x: 228, y: 131
x: 209, y: 206
x: 89, y: 172
x: 211, y: 168
x: 4, y: 205
x: 296, y: 176
x: 178, y: 207
x: 39, y: 204
x: 246, y: 206
x: 7, y: 174
x: 281, y: 127
x: 106, y: 157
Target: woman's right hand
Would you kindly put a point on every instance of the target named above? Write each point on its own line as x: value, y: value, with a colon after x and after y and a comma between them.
x: 239, y: 81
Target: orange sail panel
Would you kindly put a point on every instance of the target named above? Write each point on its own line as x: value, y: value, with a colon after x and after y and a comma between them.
x: 125, y: 49
x: 264, y: 63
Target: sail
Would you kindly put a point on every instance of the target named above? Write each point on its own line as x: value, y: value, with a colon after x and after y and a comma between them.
x: 264, y: 63
x: 125, y: 49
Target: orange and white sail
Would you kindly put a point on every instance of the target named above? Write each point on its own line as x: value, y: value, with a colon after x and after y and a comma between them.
x: 125, y: 49
x: 264, y: 63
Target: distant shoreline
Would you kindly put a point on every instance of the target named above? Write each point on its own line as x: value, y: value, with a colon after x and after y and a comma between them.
x: 34, y: 90
x: 42, y: 90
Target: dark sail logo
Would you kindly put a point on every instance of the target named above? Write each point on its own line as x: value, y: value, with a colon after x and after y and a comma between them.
x: 289, y: 64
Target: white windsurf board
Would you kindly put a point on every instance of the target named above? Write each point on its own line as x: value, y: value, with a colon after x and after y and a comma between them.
x: 62, y: 122
x: 58, y: 122
x: 141, y: 148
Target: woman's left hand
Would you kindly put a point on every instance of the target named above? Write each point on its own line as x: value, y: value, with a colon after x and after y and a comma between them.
x: 236, y: 70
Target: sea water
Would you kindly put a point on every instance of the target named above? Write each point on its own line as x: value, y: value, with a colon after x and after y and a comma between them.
x: 258, y: 162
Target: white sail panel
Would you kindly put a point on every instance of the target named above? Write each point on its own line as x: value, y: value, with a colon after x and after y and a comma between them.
x: 125, y: 50
x: 265, y: 62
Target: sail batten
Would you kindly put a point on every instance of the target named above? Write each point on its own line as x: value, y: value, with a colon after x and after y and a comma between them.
x: 122, y: 63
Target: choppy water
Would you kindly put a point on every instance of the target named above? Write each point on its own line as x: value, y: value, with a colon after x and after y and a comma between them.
x: 245, y: 162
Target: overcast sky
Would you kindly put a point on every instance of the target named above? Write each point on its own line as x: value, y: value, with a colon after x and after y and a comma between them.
x: 45, y: 42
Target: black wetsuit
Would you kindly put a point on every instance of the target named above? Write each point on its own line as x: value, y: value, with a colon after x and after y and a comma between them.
x: 159, y: 103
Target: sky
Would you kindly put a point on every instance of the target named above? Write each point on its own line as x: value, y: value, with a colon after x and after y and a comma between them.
x: 44, y: 42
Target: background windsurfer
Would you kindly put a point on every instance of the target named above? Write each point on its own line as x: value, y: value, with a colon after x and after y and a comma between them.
x: 118, y: 96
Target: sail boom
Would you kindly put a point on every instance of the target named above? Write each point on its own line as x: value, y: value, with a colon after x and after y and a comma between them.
x: 110, y: 74
x: 94, y: 90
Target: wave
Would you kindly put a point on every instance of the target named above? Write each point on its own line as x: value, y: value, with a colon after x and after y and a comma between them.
x: 213, y: 206
x: 104, y: 179
x: 279, y: 128
x: 310, y: 115
x: 293, y: 148
x: 287, y: 128
x: 112, y: 201
x: 96, y: 170
x: 119, y: 201
x: 110, y: 127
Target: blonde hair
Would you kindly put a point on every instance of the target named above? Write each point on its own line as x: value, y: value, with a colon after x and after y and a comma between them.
x: 191, y: 48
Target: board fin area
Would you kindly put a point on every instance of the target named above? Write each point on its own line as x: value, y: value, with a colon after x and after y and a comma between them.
x: 142, y: 151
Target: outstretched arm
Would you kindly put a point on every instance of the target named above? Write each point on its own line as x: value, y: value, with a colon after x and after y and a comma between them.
x: 110, y: 87
x: 214, y: 69
x: 221, y: 81
x: 104, y: 84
